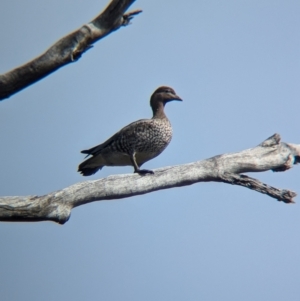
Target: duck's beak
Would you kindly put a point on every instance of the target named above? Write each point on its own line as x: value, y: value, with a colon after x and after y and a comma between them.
x: 176, y: 97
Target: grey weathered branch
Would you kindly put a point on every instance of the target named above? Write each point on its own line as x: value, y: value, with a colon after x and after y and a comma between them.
x: 56, y: 206
x: 68, y: 49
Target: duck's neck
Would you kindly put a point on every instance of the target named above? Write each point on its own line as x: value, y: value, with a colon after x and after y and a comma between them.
x: 158, y: 111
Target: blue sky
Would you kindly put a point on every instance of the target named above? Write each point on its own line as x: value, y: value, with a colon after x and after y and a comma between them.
x: 236, y: 66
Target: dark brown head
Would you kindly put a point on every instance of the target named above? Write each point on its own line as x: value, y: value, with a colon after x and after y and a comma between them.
x: 159, y: 98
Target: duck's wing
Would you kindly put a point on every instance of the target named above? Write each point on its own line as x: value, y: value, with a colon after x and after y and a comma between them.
x: 126, y: 131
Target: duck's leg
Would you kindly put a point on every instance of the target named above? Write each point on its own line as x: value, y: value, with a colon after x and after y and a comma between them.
x: 136, y: 167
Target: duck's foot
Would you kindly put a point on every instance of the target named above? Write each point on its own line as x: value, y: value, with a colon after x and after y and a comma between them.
x: 144, y: 171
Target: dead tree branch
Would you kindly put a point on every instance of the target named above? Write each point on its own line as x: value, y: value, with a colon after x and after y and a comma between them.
x: 56, y: 206
x: 68, y: 49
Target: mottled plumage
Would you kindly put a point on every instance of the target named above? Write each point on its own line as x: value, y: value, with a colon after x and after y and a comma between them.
x: 136, y: 143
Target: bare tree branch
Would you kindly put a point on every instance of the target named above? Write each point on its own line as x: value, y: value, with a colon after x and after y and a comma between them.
x: 68, y: 49
x: 56, y: 206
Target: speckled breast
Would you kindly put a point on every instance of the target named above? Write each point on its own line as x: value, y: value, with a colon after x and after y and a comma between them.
x: 151, y: 138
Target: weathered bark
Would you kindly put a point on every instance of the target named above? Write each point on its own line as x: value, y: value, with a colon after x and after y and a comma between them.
x: 68, y: 49
x: 227, y: 168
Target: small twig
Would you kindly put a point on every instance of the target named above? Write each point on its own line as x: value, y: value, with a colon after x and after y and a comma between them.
x: 283, y: 195
x: 129, y: 16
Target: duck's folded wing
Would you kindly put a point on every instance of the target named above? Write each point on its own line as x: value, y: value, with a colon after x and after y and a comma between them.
x: 124, y: 132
